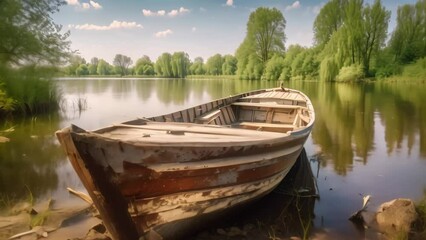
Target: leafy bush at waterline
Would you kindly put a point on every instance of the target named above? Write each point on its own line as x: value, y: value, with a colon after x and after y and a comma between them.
x: 27, y: 91
x: 350, y: 73
x: 416, y: 70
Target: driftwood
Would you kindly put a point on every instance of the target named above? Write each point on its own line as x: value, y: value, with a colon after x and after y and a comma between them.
x: 357, y: 217
x: 81, y: 195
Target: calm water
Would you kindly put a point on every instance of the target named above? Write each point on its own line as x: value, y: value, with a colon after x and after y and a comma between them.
x: 367, y: 139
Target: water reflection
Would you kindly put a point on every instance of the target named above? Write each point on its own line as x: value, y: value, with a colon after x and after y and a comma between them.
x: 31, y: 158
x: 346, y: 114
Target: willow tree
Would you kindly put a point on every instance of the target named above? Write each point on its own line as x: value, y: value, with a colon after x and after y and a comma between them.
x: 356, y: 37
x: 180, y: 64
x: 265, y: 37
x: 328, y: 21
x: 408, y: 40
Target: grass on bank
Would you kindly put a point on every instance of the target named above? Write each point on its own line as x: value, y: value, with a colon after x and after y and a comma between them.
x: 28, y: 91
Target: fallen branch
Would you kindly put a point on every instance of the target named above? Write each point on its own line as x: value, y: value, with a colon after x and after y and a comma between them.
x: 81, y: 195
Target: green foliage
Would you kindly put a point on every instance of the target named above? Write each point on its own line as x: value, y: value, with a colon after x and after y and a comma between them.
x: 214, y: 65
x: 328, y: 69
x: 93, y: 66
x: 144, y: 66
x: 229, y: 66
x: 197, y: 67
x: 328, y: 21
x: 31, y: 89
x: 416, y: 70
x: 163, y: 65
x: 350, y: 73
x: 265, y: 37
x: 122, y: 64
x: 74, y: 62
x: 7, y: 104
x: 104, y: 68
x: 408, y: 39
x: 28, y: 34
x: 180, y: 64
x: 359, y: 32
x: 82, y: 70
x: 273, y: 68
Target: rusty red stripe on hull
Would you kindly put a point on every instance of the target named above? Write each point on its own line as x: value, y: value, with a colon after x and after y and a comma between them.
x: 173, y: 182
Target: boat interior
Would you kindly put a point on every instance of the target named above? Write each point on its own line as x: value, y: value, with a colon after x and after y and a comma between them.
x: 272, y: 111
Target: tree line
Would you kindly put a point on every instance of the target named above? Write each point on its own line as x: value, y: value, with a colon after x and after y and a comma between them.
x: 350, y: 43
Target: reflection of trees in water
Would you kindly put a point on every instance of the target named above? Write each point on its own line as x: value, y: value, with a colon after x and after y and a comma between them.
x: 172, y: 90
x: 402, y: 110
x: 30, y: 158
x: 122, y: 88
x: 144, y: 89
x: 99, y: 85
x: 345, y: 115
x: 344, y: 123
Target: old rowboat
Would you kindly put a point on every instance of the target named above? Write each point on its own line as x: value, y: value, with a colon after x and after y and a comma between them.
x: 158, y: 175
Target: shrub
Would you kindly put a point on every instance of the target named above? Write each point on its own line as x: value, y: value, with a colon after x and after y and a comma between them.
x: 350, y: 73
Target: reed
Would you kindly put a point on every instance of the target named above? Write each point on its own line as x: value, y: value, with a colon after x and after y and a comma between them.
x: 31, y: 89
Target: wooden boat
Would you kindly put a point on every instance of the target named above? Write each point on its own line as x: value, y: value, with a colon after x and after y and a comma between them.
x: 156, y: 176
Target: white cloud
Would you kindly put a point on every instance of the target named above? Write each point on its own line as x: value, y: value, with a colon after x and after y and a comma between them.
x: 229, y: 2
x: 95, y: 5
x: 163, y: 33
x: 73, y: 2
x: 85, y: 5
x: 172, y: 13
x: 114, y: 25
x: 149, y: 13
x: 295, y: 5
x: 194, y: 29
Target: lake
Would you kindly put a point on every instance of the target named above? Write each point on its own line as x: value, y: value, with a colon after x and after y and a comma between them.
x: 368, y: 139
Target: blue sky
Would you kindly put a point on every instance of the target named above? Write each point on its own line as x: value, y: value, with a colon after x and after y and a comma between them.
x: 201, y: 28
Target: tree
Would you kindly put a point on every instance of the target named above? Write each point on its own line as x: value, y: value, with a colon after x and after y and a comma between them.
x: 408, y: 41
x: 329, y: 20
x: 144, y: 66
x: 28, y: 34
x: 376, y: 20
x: 82, y: 70
x: 104, y: 68
x: 229, y: 66
x: 214, y: 65
x: 197, y: 67
x: 122, y: 63
x: 163, y: 65
x: 74, y: 62
x: 93, y: 66
x: 180, y: 64
x: 265, y: 37
x: 273, y: 68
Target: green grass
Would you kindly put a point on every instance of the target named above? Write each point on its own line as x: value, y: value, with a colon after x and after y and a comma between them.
x: 29, y: 91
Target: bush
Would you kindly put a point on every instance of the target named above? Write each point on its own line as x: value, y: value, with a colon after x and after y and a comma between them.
x: 416, y: 70
x: 350, y: 73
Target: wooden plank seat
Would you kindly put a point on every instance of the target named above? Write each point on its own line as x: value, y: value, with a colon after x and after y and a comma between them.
x: 273, y: 127
x: 207, y: 117
x: 267, y: 105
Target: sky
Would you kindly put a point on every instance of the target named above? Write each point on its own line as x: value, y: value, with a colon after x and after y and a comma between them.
x: 201, y: 28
